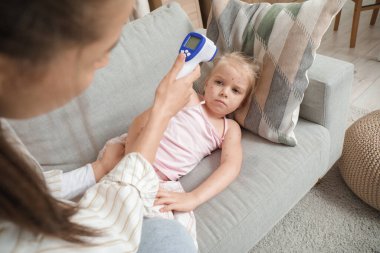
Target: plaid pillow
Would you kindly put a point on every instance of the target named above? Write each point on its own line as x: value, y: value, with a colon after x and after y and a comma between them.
x: 283, y: 38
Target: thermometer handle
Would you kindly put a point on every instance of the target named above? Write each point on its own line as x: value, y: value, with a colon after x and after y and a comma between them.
x: 187, y: 68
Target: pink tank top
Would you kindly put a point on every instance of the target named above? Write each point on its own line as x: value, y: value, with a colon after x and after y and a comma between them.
x: 188, y: 138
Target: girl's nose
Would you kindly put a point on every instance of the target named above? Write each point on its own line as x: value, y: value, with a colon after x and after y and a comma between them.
x: 223, y: 93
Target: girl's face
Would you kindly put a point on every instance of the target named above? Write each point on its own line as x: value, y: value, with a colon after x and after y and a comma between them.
x: 69, y: 73
x: 225, y: 89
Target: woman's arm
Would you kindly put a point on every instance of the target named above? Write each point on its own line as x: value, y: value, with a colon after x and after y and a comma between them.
x: 228, y: 170
x: 171, y: 96
x: 72, y: 184
x: 141, y: 120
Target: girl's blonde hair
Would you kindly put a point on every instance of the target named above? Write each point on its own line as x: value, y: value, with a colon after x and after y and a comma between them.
x: 246, y: 65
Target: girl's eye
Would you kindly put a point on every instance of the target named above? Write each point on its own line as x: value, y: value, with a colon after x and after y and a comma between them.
x: 218, y: 82
x: 236, y: 91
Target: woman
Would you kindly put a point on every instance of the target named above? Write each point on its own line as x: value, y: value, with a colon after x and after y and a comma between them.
x: 49, y: 51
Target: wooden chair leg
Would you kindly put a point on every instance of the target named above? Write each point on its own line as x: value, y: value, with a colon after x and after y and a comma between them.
x: 337, y: 19
x: 355, y: 22
x: 375, y: 13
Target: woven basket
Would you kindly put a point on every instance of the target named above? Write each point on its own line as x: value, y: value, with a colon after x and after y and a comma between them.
x: 360, y: 161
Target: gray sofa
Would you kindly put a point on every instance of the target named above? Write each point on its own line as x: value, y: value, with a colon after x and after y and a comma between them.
x: 273, y: 178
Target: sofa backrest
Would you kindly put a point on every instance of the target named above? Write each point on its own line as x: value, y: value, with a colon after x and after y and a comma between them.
x: 71, y: 136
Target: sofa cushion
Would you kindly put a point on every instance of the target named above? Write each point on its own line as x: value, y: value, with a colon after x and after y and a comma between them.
x: 272, y: 180
x: 71, y: 136
x: 283, y: 38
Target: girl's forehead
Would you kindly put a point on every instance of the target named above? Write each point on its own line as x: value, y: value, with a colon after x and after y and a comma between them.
x: 226, y: 69
x: 231, y: 71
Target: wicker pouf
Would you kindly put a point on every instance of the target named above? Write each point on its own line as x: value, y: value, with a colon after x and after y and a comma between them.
x: 360, y: 161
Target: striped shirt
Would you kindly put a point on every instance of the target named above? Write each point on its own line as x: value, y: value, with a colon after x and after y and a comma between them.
x: 115, y: 206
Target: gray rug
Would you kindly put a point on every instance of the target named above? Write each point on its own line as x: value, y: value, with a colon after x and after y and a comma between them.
x: 330, y: 218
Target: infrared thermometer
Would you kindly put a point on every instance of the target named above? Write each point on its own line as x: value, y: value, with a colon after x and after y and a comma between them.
x: 197, y: 48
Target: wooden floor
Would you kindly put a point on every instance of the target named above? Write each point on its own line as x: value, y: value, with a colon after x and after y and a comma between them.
x: 366, y: 87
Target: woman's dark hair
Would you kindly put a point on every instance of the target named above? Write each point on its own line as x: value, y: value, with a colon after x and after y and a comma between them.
x: 26, y: 201
x: 34, y: 30
x: 30, y: 33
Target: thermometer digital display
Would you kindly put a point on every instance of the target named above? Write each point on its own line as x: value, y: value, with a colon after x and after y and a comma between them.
x: 193, y: 42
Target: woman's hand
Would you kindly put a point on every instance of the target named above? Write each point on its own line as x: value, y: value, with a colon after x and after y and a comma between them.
x: 113, y: 153
x: 178, y: 201
x: 171, y: 94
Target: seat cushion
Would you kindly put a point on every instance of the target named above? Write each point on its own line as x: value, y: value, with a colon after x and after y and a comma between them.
x: 272, y: 180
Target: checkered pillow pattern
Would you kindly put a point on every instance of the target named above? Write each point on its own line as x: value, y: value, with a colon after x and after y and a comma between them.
x: 283, y: 38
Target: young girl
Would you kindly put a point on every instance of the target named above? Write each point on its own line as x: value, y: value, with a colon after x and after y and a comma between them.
x: 194, y: 132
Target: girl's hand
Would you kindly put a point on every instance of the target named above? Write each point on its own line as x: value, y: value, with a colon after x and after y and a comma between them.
x: 113, y: 153
x: 178, y: 201
x: 171, y: 94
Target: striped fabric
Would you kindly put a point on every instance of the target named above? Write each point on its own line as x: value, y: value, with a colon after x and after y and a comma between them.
x: 187, y: 219
x: 115, y: 206
x: 283, y: 38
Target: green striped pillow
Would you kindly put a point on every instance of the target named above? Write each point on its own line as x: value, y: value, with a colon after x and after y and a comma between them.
x: 283, y: 38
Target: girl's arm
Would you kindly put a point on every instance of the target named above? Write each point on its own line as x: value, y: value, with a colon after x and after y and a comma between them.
x: 228, y: 170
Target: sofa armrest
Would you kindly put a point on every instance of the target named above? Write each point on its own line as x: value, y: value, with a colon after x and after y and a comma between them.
x: 327, y: 98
